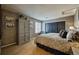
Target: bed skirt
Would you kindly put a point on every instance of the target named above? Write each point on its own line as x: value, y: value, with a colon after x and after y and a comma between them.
x: 51, y: 50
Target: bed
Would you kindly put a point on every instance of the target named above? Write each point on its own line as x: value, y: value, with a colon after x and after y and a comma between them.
x: 53, y: 43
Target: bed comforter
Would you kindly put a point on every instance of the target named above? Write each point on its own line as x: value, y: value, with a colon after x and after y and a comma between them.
x: 53, y: 40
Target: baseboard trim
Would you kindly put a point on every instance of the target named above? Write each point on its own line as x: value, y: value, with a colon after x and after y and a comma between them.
x: 8, y: 45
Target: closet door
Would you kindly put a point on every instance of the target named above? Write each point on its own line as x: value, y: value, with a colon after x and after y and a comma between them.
x: 27, y: 30
x: 24, y: 34
x: 21, y: 31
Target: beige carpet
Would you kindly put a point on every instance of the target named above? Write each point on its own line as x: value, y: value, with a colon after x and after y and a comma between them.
x: 26, y: 49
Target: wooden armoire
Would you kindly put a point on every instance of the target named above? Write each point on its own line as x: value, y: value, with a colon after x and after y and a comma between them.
x: 23, y: 29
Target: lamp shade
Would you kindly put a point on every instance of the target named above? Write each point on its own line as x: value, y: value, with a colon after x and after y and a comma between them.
x: 71, y: 28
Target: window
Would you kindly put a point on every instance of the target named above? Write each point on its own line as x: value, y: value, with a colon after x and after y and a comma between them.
x: 37, y: 27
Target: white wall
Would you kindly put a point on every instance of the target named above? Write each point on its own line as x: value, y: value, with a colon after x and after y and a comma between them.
x: 76, y: 18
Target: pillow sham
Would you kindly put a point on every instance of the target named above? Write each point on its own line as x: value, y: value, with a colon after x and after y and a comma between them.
x: 64, y: 34
x: 60, y: 33
x: 70, y: 35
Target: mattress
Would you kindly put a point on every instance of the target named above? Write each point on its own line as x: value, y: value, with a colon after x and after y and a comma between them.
x: 53, y: 40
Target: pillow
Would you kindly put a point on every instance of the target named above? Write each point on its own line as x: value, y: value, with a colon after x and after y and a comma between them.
x: 64, y: 34
x: 77, y: 33
x: 60, y: 33
x: 75, y: 36
x: 70, y: 35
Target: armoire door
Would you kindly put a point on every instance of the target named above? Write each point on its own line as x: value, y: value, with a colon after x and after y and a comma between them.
x: 21, y: 39
x: 27, y: 30
x: 24, y: 34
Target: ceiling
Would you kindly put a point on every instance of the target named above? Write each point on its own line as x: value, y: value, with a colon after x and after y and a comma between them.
x: 41, y: 11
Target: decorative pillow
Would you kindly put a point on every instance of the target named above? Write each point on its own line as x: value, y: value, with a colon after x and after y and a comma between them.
x: 70, y: 35
x: 76, y: 36
x: 77, y: 33
x: 60, y: 33
x: 64, y: 34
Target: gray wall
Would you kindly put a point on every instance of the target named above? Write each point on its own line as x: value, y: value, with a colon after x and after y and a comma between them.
x: 24, y: 32
x: 8, y: 33
x: 69, y: 21
x: 32, y: 27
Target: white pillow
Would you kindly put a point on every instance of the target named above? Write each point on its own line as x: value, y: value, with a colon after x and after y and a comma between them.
x: 70, y: 34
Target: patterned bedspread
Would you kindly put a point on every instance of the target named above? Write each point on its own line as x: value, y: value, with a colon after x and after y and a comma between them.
x: 53, y: 40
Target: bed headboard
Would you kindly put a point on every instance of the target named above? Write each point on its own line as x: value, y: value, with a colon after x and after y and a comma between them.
x: 54, y: 27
